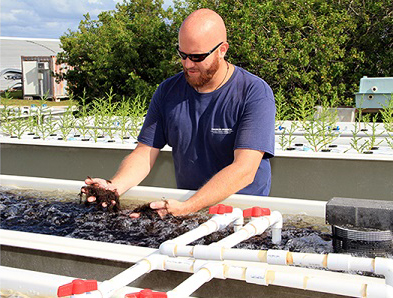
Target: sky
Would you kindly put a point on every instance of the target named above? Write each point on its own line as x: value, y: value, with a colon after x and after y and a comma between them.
x: 49, y: 18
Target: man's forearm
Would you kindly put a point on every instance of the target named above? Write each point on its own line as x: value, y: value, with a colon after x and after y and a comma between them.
x: 134, y: 168
x: 228, y: 181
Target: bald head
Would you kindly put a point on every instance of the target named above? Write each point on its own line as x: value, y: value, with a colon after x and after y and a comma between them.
x: 202, y: 30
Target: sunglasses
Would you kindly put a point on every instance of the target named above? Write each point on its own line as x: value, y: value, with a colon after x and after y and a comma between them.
x: 197, y: 57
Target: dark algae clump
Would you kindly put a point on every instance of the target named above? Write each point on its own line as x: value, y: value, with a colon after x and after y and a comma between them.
x: 68, y: 218
x: 102, y: 196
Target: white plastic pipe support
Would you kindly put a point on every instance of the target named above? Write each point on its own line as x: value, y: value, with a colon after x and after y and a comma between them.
x: 289, y: 280
x: 260, y: 224
x: 195, y: 281
x: 277, y: 257
x: 276, y: 220
x: 241, y: 255
x: 168, y: 248
x: 389, y: 276
x: 235, y: 272
x: 244, y: 233
x: 207, y: 252
x: 156, y: 261
x: 338, y: 262
x: 199, y: 232
x: 180, y: 264
x: 382, y: 265
x: 216, y: 269
x: 185, y: 251
x: 361, y: 264
x: 334, y: 286
x: 276, y: 223
x: 276, y: 235
x: 256, y: 275
x: 389, y: 292
x: 376, y: 290
x: 106, y: 288
x: 152, y: 262
x: 190, y: 285
x: 239, y: 222
x: 308, y: 260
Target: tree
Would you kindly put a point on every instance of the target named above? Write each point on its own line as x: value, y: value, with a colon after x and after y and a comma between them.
x: 129, y: 50
x: 313, y: 47
x: 309, y: 49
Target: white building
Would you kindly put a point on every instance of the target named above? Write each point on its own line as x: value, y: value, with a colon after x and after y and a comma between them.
x: 11, y: 51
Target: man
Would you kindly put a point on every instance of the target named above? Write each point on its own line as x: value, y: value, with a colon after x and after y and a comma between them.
x: 218, y: 119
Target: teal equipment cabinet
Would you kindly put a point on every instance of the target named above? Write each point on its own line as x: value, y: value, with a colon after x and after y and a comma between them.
x: 374, y: 92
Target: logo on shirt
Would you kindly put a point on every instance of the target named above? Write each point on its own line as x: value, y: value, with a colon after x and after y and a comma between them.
x: 221, y: 131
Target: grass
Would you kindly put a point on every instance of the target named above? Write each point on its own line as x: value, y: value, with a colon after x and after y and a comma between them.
x: 18, y: 101
x: 22, y: 102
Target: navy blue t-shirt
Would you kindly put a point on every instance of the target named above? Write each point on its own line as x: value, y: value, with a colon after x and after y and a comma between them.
x: 204, y: 129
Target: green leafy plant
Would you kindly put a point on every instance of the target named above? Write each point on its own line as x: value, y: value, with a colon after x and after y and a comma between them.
x: 109, y: 106
x: 387, y: 114
x: 389, y: 140
x: 304, y: 109
x: 19, y: 123
x: 98, y: 114
x: 7, y: 126
x: 123, y: 116
x: 319, y: 128
x: 137, y: 114
x: 358, y: 143
x: 67, y: 120
x: 44, y: 126
x: 32, y: 120
x: 373, y: 136
x: 282, y: 109
x: 286, y: 137
x: 83, y: 121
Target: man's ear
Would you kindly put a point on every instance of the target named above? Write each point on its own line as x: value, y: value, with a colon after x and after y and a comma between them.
x: 223, y: 49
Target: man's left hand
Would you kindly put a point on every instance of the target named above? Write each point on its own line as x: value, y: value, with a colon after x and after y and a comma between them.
x: 169, y: 206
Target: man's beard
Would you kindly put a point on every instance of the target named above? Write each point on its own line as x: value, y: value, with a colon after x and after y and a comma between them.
x: 204, y: 76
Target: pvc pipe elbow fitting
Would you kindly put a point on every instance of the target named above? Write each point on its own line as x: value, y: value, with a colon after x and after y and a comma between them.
x: 156, y: 261
x: 168, y: 248
x: 276, y: 220
x: 216, y: 270
x: 106, y: 288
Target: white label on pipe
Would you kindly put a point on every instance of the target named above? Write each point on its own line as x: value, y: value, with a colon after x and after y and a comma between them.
x: 256, y: 275
x: 277, y: 257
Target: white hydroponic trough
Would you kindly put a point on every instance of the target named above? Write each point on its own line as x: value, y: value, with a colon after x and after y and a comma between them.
x: 295, y: 174
x: 39, y: 255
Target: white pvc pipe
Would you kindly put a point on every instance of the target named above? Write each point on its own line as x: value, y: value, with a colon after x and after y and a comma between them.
x: 263, y: 276
x: 193, y: 283
x: 217, y: 222
x: 156, y: 260
x: 34, y: 284
x: 80, y: 247
x: 108, y: 287
x: 255, y: 227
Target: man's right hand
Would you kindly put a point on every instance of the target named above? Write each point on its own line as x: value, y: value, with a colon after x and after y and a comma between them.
x: 102, y: 183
